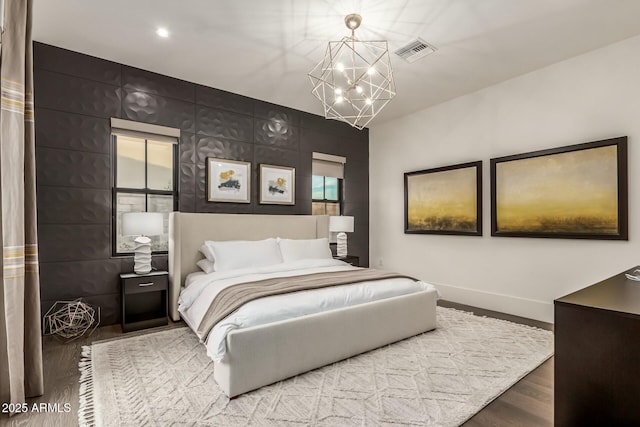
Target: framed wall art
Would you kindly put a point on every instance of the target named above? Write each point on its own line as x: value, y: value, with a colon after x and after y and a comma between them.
x: 445, y: 200
x: 573, y: 192
x: 277, y: 185
x: 228, y: 181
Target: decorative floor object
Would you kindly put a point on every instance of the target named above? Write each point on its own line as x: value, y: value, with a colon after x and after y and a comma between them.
x: 69, y: 320
x: 439, y: 378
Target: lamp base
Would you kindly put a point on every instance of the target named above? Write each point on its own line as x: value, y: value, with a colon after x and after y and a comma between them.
x: 142, y: 255
x: 342, y: 244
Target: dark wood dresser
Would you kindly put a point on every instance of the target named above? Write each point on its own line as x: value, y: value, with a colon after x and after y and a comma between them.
x: 597, y: 355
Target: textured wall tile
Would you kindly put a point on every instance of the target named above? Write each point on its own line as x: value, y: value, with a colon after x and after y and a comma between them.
x: 187, y: 202
x: 275, y: 209
x: 74, y: 242
x: 360, y: 211
x: 75, y: 95
x: 311, y: 140
x: 356, y: 191
x: 110, y: 308
x: 76, y: 64
x: 312, y: 121
x: 66, y: 205
x: 214, y: 207
x: 265, y: 110
x: 70, y: 131
x: 276, y: 133
x: 223, y: 149
x: 275, y: 156
x: 150, y: 108
x: 72, y: 168
x: 187, y: 147
x: 187, y: 178
x: 68, y: 280
x: 224, y: 124
x: 303, y: 187
x: 135, y: 79
x: 222, y: 100
x: 334, y: 127
x: 357, y: 171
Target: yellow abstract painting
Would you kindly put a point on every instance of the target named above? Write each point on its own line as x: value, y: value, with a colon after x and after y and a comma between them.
x: 445, y: 200
x: 575, y: 192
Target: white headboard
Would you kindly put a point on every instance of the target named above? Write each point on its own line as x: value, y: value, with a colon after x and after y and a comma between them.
x: 188, y: 231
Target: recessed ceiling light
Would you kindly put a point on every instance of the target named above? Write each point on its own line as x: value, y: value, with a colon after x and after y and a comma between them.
x: 162, y: 32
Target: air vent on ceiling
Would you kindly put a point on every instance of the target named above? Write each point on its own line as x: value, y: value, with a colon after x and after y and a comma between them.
x: 415, y: 50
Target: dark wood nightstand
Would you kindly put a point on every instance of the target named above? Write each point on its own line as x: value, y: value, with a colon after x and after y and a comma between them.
x: 350, y: 259
x: 144, y: 300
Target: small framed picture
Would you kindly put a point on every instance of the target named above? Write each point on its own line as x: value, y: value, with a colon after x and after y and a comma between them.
x: 228, y: 181
x: 277, y: 185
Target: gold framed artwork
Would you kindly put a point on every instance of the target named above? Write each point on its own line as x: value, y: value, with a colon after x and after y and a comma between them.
x: 277, y: 185
x: 228, y: 181
x: 573, y: 192
x: 444, y: 200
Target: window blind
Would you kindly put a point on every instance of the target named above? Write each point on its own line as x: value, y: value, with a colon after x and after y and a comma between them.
x: 144, y: 131
x: 328, y: 165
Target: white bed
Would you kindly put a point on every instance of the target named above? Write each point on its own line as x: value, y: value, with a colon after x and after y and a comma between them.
x: 255, y: 354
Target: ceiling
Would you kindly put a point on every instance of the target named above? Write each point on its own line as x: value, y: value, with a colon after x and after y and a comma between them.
x: 265, y: 48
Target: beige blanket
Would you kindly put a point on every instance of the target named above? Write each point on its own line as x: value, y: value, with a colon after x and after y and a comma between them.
x: 230, y: 299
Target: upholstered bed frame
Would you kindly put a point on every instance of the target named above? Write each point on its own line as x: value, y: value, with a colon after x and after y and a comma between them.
x: 262, y: 355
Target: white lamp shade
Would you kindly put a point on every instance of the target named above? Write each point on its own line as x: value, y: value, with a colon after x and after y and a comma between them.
x: 341, y: 224
x: 142, y: 224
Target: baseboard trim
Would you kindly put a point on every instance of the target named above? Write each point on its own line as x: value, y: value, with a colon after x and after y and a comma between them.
x: 523, y: 307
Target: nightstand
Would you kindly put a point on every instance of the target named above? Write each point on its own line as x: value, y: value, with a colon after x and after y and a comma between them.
x: 144, y: 300
x: 350, y: 259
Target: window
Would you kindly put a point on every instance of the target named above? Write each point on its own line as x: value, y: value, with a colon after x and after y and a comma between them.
x: 327, y: 195
x: 326, y: 184
x: 145, y: 176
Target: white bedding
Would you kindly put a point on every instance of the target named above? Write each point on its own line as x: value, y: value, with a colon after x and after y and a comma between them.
x: 202, y: 288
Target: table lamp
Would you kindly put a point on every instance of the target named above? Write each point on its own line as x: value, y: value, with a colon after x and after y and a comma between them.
x: 341, y: 225
x: 142, y: 224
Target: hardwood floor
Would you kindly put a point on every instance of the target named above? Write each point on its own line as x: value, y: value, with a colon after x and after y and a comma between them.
x: 528, y: 403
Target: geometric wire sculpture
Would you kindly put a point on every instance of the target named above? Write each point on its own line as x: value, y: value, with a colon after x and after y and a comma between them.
x: 68, y: 320
x: 354, y: 80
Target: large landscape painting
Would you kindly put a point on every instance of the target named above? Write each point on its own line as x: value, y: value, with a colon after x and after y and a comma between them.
x: 444, y: 200
x: 569, y: 192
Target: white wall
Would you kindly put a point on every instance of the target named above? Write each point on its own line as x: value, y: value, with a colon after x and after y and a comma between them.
x: 587, y: 98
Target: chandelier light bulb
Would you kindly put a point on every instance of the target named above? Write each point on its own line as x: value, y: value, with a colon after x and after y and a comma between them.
x: 368, y: 101
x: 359, y: 89
x: 340, y: 66
x: 371, y: 71
x: 338, y: 91
x: 162, y: 32
x: 339, y: 99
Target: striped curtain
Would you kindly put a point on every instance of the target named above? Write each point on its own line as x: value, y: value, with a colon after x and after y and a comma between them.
x: 20, y: 332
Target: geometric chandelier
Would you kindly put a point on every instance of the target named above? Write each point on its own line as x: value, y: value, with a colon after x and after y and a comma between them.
x: 354, y: 81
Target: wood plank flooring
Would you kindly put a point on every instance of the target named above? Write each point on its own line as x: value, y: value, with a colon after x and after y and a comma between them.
x: 528, y: 403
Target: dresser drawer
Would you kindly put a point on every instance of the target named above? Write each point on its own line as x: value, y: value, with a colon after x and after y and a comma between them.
x: 136, y: 285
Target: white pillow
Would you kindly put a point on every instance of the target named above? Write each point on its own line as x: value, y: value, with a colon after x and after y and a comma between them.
x: 236, y: 254
x: 206, y: 251
x: 206, y: 265
x: 294, y: 250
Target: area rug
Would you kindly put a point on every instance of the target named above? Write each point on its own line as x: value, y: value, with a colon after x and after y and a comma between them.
x: 439, y: 378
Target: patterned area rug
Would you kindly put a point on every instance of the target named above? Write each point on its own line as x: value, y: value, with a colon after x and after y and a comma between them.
x: 439, y: 378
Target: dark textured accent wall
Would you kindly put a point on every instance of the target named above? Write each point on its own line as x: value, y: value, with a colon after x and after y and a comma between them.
x: 77, y: 94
